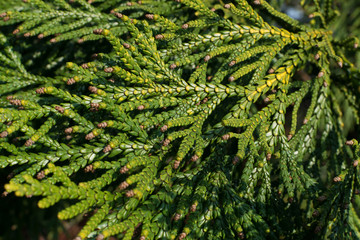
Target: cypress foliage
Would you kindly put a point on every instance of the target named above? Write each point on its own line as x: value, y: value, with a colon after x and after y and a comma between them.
x: 186, y: 119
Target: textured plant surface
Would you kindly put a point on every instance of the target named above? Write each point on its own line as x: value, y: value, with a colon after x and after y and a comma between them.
x: 183, y: 119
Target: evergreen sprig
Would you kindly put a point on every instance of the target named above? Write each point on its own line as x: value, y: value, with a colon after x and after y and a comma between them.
x: 197, y: 120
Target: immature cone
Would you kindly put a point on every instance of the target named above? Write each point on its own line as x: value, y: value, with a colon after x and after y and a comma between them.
x: 89, y: 136
x: 173, y: 66
x: 89, y: 168
x: 177, y: 216
x: 235, y: 160
x: 107, y: 149
x: 194, y: 158
x: 27, y: 34
x: 123, y: 170
x: 355, y: 163
x: 159, y: 37
x: 268, y: 156
x: 176, y: 164
x: 123, y: 185
x: 349, y: 142
x: 337, y: 179
x: 3, y: 134
x: 182, y: 236
x: 70, y: 81
x: 40, y: 90
x: 257, y: 2
x: 166, y: 142
x: 141, y: 107
x: 271, y: 70
x: 193, y: 208
x: 68, y: 130
x: 59, y: 109
x: 102, y: 125
x: 320, y: 74
x: 40, y: 175
x: 98, y: 31
x: 100, y: 237
x: 130, y: 193
x: 316, y: 213
x: 164, y: 128
x: 16, y: 102
x: 118, y: 15
x: 185, y: 26
x: 231, y: 79
x: 93, y: 89
x: 226, y: 137
x: 207, y: 58
x: 227, y: 6
x: 29, y: 142
x: 149, y: 16
x: 109, y: 70
x: 232, y: 63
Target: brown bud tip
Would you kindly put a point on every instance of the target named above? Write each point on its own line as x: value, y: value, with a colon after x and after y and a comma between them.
x: 89, y: 136
x: 176, y: 164
x: 177, y: 216
x: 69, y: 130
x: 93, y: 89
x: 232, y: 63
x: 173, y: 66
x: 94, y: 106
x: 159, y: 37
x: 118, y: 15
x: 320, y: 74
x: 227, y: 6
x: 126, y: 45
x: 268, y: 156
x: 317, y: 56
x: 16, y: 102
x: 356, y: 45
x: 355, y: 163
x: 182, y: 236
x: 98, y: 31
x: 29, y: 142
x: 231, y: 79
x: 207, y: 58
x: 209, y: 78
x: 16, y: 31
x: 166, y: 142
x: 289, y: 137
x: 70, y: 81
x: 89, y: 168
x: 185, y: 26
x: 102, y: 125
x: 94, y: 56
x: 340, y: 64
x: 53, y: 40
x: 257, y: 2
x: 108, y: 70
x: 149, y: 16
x: 164, y: 128
x: 4, y: 134
x: 226, y: 137
x: 350, y: 142
x: 85, y: 66
x: 100, y: 237
x: 130, y: 193
x: 124, y: 169
x: 107, y: 149
x: 123, y: 185
x: 141, y: 107
x: 305, y: 121
x: 40, y: 90
x: 194, y: 158
x: 337, y: 179
x: 271, y: 70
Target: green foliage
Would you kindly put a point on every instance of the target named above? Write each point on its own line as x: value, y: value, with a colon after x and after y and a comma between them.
x: 183, y: 119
